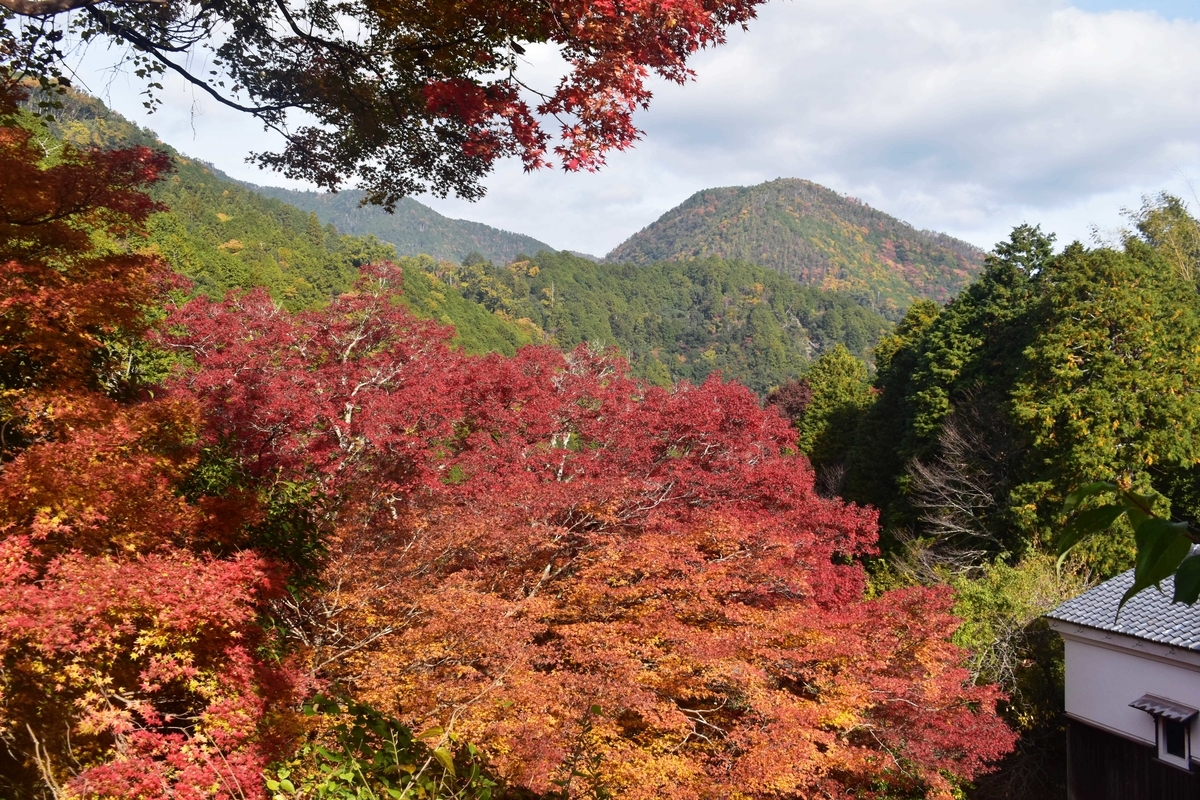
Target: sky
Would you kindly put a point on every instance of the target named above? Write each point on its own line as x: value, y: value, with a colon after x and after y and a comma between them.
x: 962, y: 116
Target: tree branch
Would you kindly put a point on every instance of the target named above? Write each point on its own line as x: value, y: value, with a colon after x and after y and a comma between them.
x: 145, y: 44
x: 47, y: 8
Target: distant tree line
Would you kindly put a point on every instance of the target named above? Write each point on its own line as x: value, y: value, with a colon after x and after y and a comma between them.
x: 675, y: 320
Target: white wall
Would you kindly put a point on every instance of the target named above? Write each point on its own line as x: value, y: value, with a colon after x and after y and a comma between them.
x: 1105, y: 673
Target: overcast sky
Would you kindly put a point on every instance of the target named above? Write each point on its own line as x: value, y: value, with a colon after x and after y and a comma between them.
x: 964, y: 116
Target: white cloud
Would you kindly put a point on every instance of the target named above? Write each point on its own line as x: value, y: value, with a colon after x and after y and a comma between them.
x: 968, y: 116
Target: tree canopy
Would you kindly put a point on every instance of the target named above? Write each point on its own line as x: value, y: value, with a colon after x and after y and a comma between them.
x: 408, y: 97
x: 246, y: 552
x: 1049, y: 372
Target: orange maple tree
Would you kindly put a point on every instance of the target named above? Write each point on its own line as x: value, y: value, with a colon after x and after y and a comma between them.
x: 612, y: 589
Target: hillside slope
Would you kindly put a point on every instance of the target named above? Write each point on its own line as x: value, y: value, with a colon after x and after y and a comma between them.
x: 675, y: 320
x: 815, y: 235
x: 224, y: 236
x: 413, y: 229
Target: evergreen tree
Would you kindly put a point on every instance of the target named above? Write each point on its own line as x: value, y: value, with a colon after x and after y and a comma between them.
x: 1110, y: 386
x: 1048, y: 372
x: 840, y: 395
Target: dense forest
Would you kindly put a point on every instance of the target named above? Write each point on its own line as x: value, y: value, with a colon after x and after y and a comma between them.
x: 814, y: 234
x: 412, y: 228
x: 675, y: 320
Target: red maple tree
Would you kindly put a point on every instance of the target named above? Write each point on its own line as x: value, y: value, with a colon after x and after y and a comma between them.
x: 129, y: 636
x: 607, y: 586
x: 409, y: 97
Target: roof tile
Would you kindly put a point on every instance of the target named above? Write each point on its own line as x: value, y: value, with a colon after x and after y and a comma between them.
x: 1149, y: 615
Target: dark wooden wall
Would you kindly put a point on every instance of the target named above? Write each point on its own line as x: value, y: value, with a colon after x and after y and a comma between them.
x: 1102, y: 766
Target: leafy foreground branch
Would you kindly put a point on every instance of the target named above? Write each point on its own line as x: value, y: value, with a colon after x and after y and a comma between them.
x: 1164, y: 548
x: 407, y: 98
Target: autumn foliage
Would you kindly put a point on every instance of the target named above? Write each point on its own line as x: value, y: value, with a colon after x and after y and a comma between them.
x: 129, y: 636
x: 410, y: 97
x: 608, y: 587
x: 66, y: 283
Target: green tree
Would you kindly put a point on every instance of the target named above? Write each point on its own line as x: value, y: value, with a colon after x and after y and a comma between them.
x: 1164, y: 223
x: 1111, y: 388
x: 979, y: 339
x: 957, y: 366
x: 1048, y: 372
x: 876, y: 459
x: 840, y: 395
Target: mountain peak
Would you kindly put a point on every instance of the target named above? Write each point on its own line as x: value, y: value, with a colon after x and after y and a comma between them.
x: 814, y: 234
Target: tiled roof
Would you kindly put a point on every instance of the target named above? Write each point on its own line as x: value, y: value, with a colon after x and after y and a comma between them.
x: 1149, y: 615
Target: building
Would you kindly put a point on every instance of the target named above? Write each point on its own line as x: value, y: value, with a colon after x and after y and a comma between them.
x: 1132, y: 694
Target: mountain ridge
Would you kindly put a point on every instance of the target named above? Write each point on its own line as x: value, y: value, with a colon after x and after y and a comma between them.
x: 413, y: 229
x: 814, y: 234
x: 672, y: 321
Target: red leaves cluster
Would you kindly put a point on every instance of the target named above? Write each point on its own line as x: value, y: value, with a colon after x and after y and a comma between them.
x: 129, y: 663
x: 65, y: 280
x: 500, y: 122
x: 599, y: 582
x: 147, y: 664
x: 612, y: 48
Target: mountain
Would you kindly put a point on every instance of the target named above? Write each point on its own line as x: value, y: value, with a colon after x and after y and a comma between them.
x: 413, y: 229
x: 222, y: 236
x: 815, y: 235
x: 675, y: 320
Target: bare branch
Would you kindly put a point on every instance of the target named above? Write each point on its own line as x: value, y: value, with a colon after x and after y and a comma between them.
x: 41, y: 757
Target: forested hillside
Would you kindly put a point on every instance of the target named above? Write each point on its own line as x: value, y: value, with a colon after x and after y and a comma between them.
x: 814, y: 234
x: 414, y: 228
x: 223, y: 236
x: 675, y: 320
